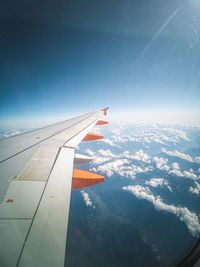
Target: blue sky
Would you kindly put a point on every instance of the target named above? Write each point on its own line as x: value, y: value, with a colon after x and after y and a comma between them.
x: 61, y: 59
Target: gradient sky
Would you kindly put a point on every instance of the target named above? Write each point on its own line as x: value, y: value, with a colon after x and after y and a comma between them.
x: 61, y: 57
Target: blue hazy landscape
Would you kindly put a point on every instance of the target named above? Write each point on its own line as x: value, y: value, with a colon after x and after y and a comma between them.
x: 146, y: 213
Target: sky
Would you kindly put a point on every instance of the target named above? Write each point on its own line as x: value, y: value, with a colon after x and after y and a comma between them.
x: 63, y: 58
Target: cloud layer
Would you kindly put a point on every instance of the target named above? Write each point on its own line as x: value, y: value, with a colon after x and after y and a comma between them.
x: 180, y: 155
x: 108, y: 163
x: 189, y: 218
x: 155, y: 182
x: 145, y: 135
x: 195, y: 189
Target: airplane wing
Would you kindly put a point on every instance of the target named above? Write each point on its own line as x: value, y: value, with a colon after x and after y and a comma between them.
x: 36, y: 170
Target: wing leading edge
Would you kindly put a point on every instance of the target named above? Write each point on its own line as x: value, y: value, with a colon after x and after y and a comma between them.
x: 36, y: 194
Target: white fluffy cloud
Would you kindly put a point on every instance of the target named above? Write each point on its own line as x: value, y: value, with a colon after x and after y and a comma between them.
x: 180, y: 155
x: 140, y: 155
x: 4, y: 133
x: 99, y: 160
x: 121, y: 167
x: 189, y: 174
x: 177, y: 133
x: 177, y: 154
x: 107, y: 153
x: 197, y: 160
x: 101, y: 156
x: 155, y: 182
x: 189, y: 218
x: 90, y: 152
x: 108, y: 163
x: 87, y: 199
x: 109, y: 142
x: 174, y: 169
x: 161, y: 163
x: 117, y: 166
x: 195, y: 189
x: 121, y: 164
x: 146, y: 134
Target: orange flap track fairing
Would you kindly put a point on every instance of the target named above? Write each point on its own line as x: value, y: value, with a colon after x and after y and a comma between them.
x: 101, y: 122
x: 92, y: 136
x: 83, y: 178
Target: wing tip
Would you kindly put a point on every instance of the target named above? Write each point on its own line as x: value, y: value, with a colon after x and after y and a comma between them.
x: 104, y: 110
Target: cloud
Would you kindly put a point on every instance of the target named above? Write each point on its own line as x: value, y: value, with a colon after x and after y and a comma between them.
x: 87, y: 199
x: 175, y: 165
x: 189, y: 218
x: 90, y: 152
x: 195, y: 189
x: 139, y: 156
x: 161, y: 163
x: 8, y: 133
x: 117, y: 166
x: 189, y: 174
x: 104, y: 156
x: 107, y: 153
x: 177, y: 154
x: 147, y: 134
x: 177, y: 133
x: 180, y: 155
x: 174, y: 169
x: 108, y: 163
x: 155, y: 182
x: 109, y: 142
x: 197, y: 160
x: 99, y: 160
x: 117, y: 136
x: 101, y: 156
x: 121, y: 167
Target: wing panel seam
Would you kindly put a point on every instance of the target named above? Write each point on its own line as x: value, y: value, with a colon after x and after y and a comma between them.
x: 37, y: 207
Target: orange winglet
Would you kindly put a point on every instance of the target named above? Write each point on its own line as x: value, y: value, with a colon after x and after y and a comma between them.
x: 101, y: 122
x: 92, y: 136
x: 83, y: 178
x: 104, y: 110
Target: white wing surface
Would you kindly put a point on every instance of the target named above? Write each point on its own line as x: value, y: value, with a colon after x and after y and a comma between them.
x: 35, y: 186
